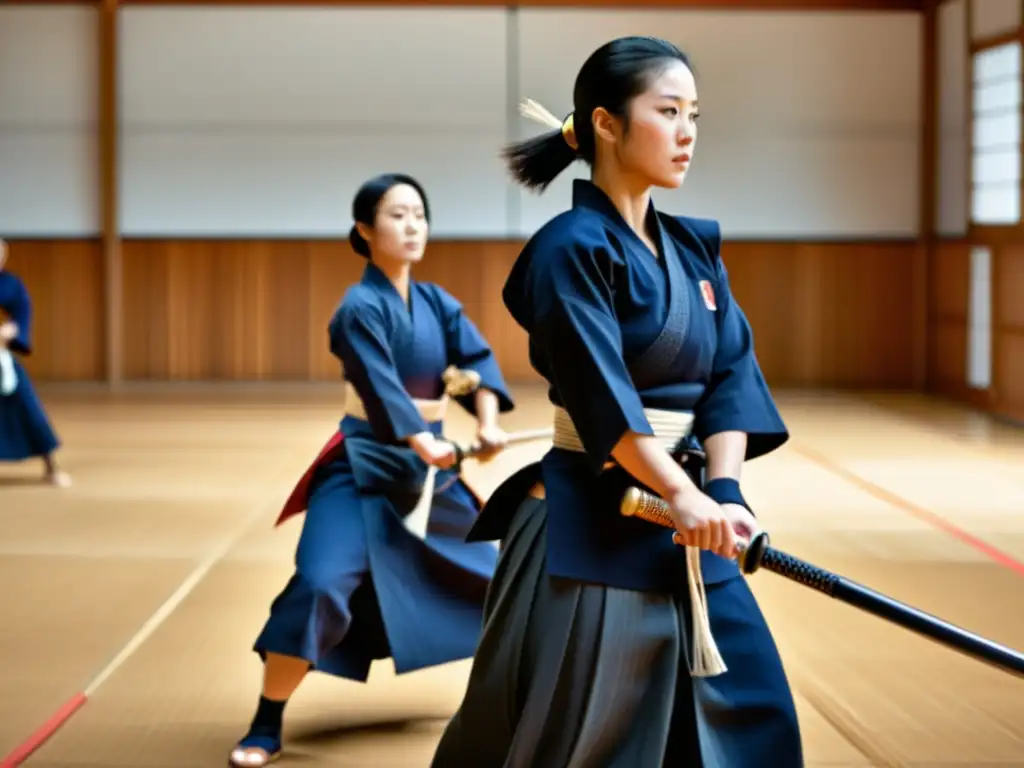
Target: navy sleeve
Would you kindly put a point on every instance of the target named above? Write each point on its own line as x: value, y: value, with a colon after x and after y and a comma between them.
x: 468, y: 350
x: 737, y: 396
x: 359, y: 339
x: 16, y: 302
x: 564, y: 299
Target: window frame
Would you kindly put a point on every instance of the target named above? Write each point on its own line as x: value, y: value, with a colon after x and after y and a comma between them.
x: 1016, y: 37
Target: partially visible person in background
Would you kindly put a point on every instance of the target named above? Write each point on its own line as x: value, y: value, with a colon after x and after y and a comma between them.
x: 382, y: 567
x: 25, y: 430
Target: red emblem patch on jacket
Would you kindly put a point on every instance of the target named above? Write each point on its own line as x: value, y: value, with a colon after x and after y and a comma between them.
x: 709, y: 295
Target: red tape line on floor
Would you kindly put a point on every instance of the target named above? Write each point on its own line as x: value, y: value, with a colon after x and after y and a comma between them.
x: 976, y: 543
x: 44, y: 732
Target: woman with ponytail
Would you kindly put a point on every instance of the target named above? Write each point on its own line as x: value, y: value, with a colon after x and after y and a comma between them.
x: 382, y: 567
x: 607, y: 642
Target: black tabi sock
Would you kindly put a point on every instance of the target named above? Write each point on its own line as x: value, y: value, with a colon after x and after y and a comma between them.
x: 269, y: 716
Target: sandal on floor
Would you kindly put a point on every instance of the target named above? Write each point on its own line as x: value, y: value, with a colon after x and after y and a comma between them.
x: 256, y: 750
x: 58, y: 478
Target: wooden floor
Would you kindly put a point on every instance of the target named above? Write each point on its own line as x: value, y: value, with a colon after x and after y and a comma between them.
x: 167, y: 532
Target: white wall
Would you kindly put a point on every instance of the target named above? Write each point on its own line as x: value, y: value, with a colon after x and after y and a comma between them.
x: 48, y: 166
x: 263, y: 121
x: 809, y: 126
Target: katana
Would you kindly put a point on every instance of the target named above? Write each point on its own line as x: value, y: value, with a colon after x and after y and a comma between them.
x: 758, y: 554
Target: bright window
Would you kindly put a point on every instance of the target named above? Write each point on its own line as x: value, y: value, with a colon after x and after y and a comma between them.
x: 979, y: 320
x: 996, y: 130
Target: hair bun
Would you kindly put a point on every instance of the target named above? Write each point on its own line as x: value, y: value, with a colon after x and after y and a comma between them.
x: 358, y: 242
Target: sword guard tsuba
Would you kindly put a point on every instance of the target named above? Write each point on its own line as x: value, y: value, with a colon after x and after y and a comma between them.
x: 750, y: 557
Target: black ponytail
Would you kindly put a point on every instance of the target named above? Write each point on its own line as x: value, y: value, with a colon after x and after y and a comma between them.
x: 611, y: 78
x: 536, y: 162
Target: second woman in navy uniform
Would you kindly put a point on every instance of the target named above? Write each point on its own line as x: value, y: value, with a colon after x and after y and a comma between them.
x: 382, y: 567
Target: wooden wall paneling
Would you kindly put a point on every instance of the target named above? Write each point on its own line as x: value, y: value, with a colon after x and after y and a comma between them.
x: 506, y: 337
x: 1010, y: 356
x: 761, y: 277
x: 1008, y: 331
x: 146, y: 312
x: 1009, y: 288
x: 948, y: 355
x: 949, y: 285
x: 285, y: 327
x: 259, y: 310
x: 870, y: 316
x: 920, y: 276
x: 829, y: 314
x: 335, y: 266
x: 65, y: 281
x: 228, y: 310
x: 824, y: 315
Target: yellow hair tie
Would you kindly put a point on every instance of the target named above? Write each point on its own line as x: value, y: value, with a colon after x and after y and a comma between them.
x: 569, y: 133
x: 534, y: 111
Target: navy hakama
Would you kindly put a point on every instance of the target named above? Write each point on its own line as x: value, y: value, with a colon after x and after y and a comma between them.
x: 584, y: 657
x: 365, y: 586
x: 588, y: 675
x: 25, y: 430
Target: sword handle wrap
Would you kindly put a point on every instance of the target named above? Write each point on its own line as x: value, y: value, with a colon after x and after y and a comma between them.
x: 637, y: 502
x: 803, y: 573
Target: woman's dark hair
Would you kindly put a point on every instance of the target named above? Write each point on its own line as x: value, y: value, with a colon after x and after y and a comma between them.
x: 367, y: 201
x: 612, y: 77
